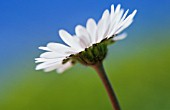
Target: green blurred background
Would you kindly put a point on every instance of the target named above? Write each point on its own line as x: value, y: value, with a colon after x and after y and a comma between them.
x: 138, y: 67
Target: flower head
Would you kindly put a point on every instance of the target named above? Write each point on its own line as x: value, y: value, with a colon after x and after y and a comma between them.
x: 89, y: 44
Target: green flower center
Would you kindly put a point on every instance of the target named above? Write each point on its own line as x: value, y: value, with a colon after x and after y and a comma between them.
x: 92, y: 55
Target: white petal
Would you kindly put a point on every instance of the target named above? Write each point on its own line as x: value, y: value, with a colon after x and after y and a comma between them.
x: 118, y: 8
x: 48, y: 64
x: 120, y: 37
x: 44, y: 48
x: 91, y: 28
x: 59, y: 68
x: 60, y: 48
x: 112, y: 13
x: 52, y: 55
x: 106, y: 25
x: 64, y: 67
x: 124, y: 24
x: 51, y: 68
x: 103, y: 26
x: 38, y: 60
x: 115, y: 23
x: 124, y: 27
x: 124, y: 16
x: 134, y: 13
x: 83, y: 35
x: 112, y: 9
x: 113, y: 20
x: 68, y: 39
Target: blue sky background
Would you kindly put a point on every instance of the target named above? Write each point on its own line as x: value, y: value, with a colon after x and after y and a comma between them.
x: 27, y: 24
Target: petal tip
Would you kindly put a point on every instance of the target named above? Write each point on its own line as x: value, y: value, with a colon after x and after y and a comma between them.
x: 37, y: 68
x: 135, y: 11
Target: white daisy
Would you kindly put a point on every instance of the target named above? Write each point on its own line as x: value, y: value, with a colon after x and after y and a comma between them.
x: 89, y: 44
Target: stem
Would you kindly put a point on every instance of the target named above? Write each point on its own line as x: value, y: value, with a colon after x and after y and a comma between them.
x: 101, y: 72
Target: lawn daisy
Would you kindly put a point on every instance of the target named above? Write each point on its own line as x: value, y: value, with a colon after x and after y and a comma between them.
x: 88, y: 46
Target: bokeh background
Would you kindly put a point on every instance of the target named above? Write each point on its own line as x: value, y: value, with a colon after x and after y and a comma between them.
x: 138, y: 67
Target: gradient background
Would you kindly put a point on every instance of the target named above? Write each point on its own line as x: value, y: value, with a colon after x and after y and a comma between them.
x: 138, y: 67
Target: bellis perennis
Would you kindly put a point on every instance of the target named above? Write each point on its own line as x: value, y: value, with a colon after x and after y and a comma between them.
x: 89, y: 44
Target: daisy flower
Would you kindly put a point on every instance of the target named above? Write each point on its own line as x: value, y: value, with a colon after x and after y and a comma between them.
x: 89, y: 44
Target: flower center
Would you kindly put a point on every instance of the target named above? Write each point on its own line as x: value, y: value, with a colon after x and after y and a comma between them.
x: 92, y: 55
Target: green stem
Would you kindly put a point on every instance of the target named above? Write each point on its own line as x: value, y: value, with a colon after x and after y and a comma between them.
x: 101, y: 72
